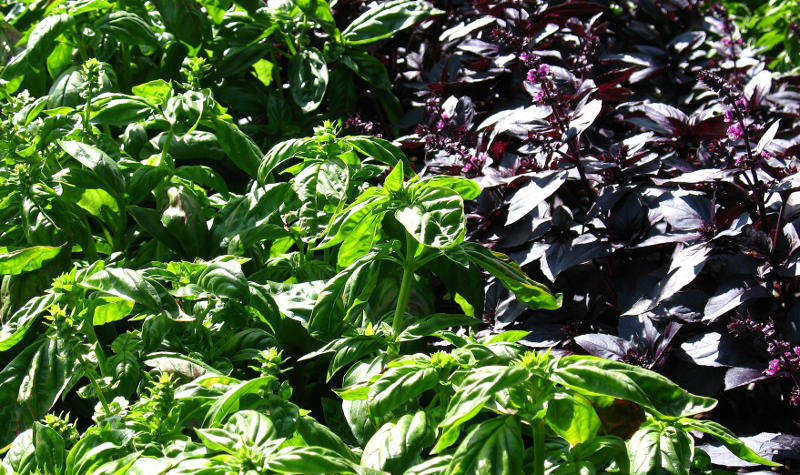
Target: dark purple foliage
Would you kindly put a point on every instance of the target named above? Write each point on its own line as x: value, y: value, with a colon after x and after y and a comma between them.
x: 639, y: 157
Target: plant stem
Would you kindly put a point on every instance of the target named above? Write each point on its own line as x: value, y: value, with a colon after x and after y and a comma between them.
x: 538, y: 446
x: 402, y: 296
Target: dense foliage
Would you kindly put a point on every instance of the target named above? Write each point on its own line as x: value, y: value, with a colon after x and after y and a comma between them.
x: 204, y: 214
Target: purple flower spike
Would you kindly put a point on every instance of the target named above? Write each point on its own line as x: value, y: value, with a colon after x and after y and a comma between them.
x: 735, y: 132
x: 729, y: 116
x: 544, y: 69
x: 774, y: 367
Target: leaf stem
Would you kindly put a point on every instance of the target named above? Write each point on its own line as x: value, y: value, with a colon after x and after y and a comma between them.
x: 402, y: 296
x: 538, y: 446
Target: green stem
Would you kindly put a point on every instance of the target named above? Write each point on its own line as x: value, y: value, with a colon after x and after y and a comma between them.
x: 538, y: 446
x: 402, y: 297
x: 90, y: 372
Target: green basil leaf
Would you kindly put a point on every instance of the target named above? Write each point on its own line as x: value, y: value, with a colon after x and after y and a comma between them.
x: 26, y: 260
x: 435, y: 217
x: 96, y: 160
x: 572, y: 417
x: 156, y: 91
x: 43, y: 37
x: 280, y: 153
x: 308, y: 460
x: 129, y: 284
x: 728, y: 439
x: 384, y: 19
x: 397, y: 445
x: 229, y: 402
x: 119, y: 109
x: 479, y: 386
x: 314, y: 433
x: 399, y: 385
x: 491, y: 447
x: 598, y: 376
x: 223, y: 277
x: 381, y: 150
x: 184, y: 19
x: 49, y: 448
x: 527, y: 291
x: 127, y: 27
x: 308, y: 77
x: 15, y: 328
x: 243, y: 152
x: 429, y: 324
x: 655, y: 450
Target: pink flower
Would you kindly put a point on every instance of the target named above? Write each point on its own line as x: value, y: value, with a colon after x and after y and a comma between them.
x: 735, y: 132
x: 524, y: 56
x: 440, y: 124
x: 544, y: 69
x: 445, y: 116
x: 741, y: 102
x: 726, y: 41
x: 773, y: 368
x: 729, y: 116
x: 537, y: 96
x: 532, y: 75
x: 765, y: 154
x: 796, y: 350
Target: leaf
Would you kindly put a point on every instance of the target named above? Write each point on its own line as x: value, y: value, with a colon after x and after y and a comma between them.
x: 528, y: 291
x: 583, y: 118
x: 43, y: 37
x: 119, y: 110
x: 15, y: 328
x: 243, y: 152
x: 129, y: 284
x: 280, y: 153
x: 479, y: 386
x: 384, y: 19
x: 26, y: 260
x: 228, y: 403
x: 127, y: 27
x: 308, y: 460
x: 766, y: 139
x: 379, y: 149
x: 156, y: 91
x: 96, y: 160
x: 314, y: 433
x: 655, y: 450
x: 184, y: 19
x: 398, y: 385
x: 224, y: 278
x: 731, y: 293
x: 572, y: 417
x: 435, y: 217
x: 429, y: 324
x: 491, y: 447
x: 308, y: 77
x: 111, y: 309
x: 397, y: 445
x: 729, y: 440
x: 49, y: 448
x: 597, y: 376
x: 540, y: 187
x: 603, y: 345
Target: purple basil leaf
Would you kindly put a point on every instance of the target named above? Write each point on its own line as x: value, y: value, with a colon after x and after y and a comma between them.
x: 712, y: 349
x: 742, y: 375
x: 730, y: 294
x: 757, y: 88
x: 538, y: 189
x: 603, y: 345
x: 563, y: 255
x: 686, y: 211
